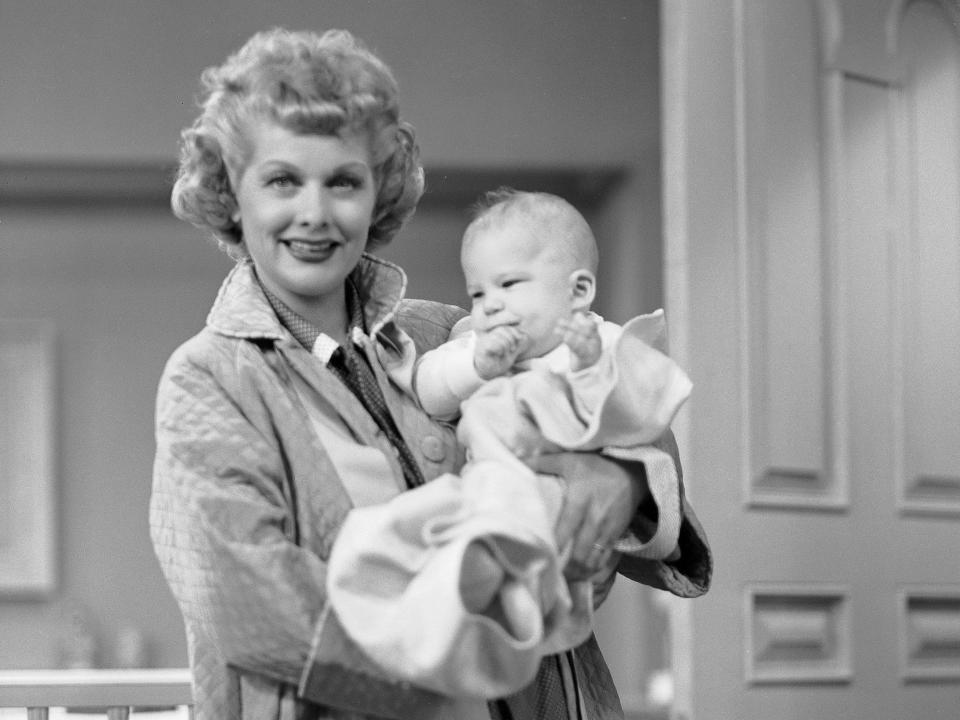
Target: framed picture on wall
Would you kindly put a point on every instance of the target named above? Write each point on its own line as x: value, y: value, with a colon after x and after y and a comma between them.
x: 27, y: 458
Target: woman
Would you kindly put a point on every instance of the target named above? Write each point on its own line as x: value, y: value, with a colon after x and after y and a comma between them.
x: 287, y: 409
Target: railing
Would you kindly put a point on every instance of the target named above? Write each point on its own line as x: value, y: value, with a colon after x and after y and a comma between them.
x: 110, y: 692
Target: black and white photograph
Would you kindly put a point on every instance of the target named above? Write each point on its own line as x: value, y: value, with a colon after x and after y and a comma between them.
x: 480, y: 359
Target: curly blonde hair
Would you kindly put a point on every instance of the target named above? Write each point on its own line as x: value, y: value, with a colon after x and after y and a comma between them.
x: 309, y: 83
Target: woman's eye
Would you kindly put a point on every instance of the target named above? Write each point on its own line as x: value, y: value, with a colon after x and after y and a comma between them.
x: 280, y: 181
x: 346, y: 181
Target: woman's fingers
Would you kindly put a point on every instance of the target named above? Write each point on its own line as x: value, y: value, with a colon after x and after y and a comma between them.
x: 598, y: 505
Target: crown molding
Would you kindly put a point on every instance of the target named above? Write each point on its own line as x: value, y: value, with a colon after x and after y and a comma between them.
x: 25, y: 182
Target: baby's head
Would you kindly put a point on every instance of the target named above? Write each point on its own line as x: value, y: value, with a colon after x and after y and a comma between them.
x: 529, y: 260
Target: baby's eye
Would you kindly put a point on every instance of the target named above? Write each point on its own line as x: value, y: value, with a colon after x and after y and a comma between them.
x: 476, y: 295
x: 510, y: 283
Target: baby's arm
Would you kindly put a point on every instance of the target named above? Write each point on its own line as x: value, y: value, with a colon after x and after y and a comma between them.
x: 445, y: 376
x: 581, y: 334
x: 591, y: 370
x: 452, y: 372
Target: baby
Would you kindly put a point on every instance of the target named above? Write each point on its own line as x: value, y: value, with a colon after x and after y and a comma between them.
x: 530, y: 261
x: 470, y: 561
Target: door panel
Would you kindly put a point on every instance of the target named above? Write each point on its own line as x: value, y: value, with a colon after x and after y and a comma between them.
x: 930, y: 264
x: 812, y: 221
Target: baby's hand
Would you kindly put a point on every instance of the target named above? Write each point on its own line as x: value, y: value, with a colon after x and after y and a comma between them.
x: 497, y: 350
x: 582, y: 336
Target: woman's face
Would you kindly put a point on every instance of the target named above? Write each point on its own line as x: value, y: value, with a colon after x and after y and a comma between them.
x: 305, y: 204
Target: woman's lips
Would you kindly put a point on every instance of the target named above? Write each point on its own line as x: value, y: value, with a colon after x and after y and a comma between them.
x: 311, y: 250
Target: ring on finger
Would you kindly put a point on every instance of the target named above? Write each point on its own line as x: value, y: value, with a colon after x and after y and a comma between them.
x: 598, y: 557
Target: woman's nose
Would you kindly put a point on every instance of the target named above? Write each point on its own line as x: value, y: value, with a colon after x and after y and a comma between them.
x: 314, y: 208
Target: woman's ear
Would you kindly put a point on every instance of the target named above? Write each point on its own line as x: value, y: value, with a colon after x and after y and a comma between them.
x: 583, y: 288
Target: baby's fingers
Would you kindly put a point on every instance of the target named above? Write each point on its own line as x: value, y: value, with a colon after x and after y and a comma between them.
x: 509, y: 338
x: 584, y: 324
x: 579, y: 325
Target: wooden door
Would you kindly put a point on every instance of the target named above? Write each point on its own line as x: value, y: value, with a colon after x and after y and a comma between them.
x: 812, y: 232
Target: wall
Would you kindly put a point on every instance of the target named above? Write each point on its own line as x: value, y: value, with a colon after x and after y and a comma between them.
x: 497, y: 87
x: 122, y: 287
x: 492, y: 83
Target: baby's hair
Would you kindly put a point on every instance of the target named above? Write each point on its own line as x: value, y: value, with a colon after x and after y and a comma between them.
x: 325, y: 84
x: 553, y: 220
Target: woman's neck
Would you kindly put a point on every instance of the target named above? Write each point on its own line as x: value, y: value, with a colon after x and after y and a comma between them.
x: 330, y: 315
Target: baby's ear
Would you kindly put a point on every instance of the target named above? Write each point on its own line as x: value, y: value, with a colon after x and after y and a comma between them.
x: 583, y: 288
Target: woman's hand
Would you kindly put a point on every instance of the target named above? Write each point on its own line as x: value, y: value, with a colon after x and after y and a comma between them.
x: 601, y: 498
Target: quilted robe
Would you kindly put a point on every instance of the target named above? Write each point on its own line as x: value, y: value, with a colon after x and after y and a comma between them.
x: 246, y: 506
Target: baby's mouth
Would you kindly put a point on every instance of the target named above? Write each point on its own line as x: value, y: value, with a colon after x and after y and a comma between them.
x: 503, y: 323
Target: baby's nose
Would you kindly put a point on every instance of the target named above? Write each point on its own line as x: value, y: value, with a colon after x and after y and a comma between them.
x: 492, y: 304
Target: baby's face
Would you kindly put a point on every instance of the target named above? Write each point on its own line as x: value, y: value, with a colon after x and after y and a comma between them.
x: 514, y: 279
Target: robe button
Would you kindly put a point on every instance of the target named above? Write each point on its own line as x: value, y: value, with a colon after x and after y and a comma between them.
x: 432, y: 448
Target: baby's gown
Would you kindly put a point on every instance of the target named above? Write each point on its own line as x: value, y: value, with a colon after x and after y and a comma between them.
x: 457, y: 586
